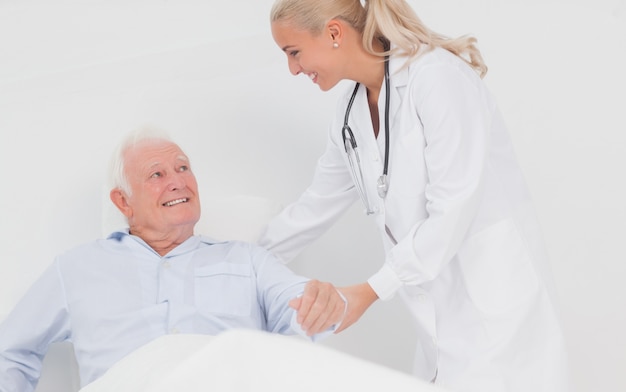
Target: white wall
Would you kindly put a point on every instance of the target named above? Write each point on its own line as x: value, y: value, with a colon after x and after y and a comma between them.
x: 76, y: 75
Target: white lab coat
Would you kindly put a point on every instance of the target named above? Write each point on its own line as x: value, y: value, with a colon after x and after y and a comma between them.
x: 469, y: 260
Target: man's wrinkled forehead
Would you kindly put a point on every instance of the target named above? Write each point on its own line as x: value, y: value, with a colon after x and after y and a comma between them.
x: 180, y: 157
x: 151, y: 154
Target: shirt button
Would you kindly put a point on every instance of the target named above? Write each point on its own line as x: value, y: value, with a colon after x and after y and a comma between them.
x: 174, y: 331
x: 422, y: 298
x: 434, y: 340
x: 166, y: 264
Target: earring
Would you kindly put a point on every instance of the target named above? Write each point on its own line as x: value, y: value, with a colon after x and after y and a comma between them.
x: 335, y: 45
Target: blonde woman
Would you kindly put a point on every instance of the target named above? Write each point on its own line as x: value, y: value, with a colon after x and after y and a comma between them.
x: 419, y: 139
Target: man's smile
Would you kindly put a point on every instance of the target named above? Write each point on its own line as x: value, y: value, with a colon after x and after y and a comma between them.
x: 174, y: 202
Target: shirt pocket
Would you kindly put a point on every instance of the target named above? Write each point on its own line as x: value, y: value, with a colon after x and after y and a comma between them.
x: 224, y: 288
x: 498, y: 269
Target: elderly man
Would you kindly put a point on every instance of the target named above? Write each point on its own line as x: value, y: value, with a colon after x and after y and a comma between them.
x: 112, y: 296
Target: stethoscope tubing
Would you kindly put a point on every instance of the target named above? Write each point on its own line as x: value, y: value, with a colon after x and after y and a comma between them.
x: 348, y: 136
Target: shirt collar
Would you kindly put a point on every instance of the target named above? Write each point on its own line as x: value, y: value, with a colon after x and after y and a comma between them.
x: 189, y: 245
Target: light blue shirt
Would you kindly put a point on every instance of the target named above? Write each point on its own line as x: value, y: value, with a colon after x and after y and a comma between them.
x: 109, y: 297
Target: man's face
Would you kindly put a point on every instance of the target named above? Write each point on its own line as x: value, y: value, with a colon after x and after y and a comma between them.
x: 164, y: 192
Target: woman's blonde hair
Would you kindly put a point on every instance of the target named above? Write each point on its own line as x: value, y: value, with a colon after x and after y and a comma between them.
x: 393, y: 20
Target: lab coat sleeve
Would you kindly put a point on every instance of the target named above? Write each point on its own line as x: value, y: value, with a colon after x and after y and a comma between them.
x: 330, y: 194
x: 455, y: 115
x: 39, y: 319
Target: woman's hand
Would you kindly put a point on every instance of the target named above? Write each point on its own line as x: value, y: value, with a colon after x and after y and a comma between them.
x: 319, y: 307
x: 359, y: 297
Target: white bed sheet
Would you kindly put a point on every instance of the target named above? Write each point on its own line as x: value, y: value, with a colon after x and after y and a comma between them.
x: 242, y: 360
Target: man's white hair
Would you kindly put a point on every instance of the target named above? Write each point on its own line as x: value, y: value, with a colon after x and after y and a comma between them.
x: 117, y: 170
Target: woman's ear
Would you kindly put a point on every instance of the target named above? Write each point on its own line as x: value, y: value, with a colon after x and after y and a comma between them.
x: 334, y: 29
x: 118, y: 197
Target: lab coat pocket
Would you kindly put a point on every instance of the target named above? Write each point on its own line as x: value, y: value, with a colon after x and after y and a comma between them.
x: 224, y: 288
x: 498, y: 269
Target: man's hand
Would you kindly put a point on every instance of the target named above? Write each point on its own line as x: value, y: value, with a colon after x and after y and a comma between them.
x: 319, y: 307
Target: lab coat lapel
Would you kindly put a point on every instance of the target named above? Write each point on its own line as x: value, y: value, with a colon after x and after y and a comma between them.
x: 398, y: 79
x: 360, y: 120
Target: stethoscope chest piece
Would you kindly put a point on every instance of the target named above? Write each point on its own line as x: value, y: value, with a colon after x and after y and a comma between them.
x: 382, y: 186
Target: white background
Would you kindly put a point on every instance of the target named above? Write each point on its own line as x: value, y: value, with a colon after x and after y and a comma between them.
x: 76, y: 75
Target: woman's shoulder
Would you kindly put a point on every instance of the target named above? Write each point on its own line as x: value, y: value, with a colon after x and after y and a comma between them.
x: 435, y: 66
x: 438, y: 58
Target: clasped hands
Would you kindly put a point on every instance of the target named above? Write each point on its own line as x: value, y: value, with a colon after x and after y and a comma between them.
x: 321, y: 306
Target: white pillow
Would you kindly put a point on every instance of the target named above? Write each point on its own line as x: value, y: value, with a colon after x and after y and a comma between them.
x: 237, y: 217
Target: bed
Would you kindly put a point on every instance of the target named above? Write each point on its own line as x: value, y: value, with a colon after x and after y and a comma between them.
x: 246, y: 360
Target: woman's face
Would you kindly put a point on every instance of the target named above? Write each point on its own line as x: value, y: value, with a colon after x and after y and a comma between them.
x: 312, y: 55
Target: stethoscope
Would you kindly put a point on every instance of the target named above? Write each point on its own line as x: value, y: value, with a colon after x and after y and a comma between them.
x: 351, y: 148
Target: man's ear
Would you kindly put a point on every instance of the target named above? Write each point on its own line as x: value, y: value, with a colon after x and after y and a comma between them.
x: 118, y: 197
